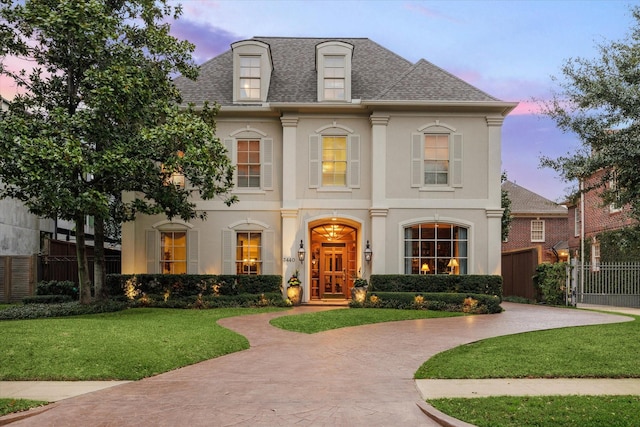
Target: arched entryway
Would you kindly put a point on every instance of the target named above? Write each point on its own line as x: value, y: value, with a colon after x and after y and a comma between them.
x: 334, y: 261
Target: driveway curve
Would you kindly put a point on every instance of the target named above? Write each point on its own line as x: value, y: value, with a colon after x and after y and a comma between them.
x: 360, y: 376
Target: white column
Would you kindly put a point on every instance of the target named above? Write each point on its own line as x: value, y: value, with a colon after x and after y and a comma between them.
x: 378, y: 160
x: 289, y: 173
x: 290, y: 245
x: 379, y: 210
x: 378, y: 241
x: 494, y: 206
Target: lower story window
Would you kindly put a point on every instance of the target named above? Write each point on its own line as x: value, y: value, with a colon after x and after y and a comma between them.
x: 248, y: 252
x: 435, y: 248
x: 173, y: 252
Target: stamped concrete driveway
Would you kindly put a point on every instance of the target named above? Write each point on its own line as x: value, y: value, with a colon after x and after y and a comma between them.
x: 359, y: 376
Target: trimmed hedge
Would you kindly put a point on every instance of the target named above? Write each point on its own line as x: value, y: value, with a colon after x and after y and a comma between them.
x: 442, y: 283
x: 456, y: 302
x: 55, y: 287
x: 47, y: 299
x: 176, y: 286
x: 36, y: 311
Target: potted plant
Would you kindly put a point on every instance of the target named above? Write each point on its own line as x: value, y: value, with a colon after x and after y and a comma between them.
x: 359, y: 290
x: 294, y: 289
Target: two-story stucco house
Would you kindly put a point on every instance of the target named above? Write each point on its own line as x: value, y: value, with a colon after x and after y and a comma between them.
x: 344, y: 152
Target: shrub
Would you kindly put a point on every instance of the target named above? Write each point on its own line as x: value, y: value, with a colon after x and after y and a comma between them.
x: 47, y: 299
x: 463, y: 302
x: 449, y: 283
x: 550, y: 280
x: 171, y: 286
x: 34, y: 311
x: 55, y: 287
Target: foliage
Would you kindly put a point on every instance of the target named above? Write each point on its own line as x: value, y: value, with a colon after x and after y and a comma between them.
x: 47, y: 299
x: 311, y: 323
x: 455, y: 302
x: 35, y: 311
x: 294, y: 280
x: 172, y: 286
x: 505, y: 203
x: 99, y: 116
x: 596, y: 351
x: 9, y: 406
x: 550, y: 281
x: 360, y: 282
x: 133, y: 344
x: 599, y: 101
x: 55, y: 287
x: 451, y: 283
x: 621, y: 245
x: 536, y: 411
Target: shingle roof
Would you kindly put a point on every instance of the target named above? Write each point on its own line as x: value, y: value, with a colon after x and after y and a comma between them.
x: 524, y: 201
x: 378, y: 74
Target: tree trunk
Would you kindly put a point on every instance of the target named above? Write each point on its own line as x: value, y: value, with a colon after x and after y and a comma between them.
x: 99, y: 262
x: 84, y: 281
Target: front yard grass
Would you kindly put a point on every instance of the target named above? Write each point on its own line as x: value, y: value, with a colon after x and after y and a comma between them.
x: 310, y: 323
x: 598, y: 351
x: 125, y: 345
x: 540, y: 411
x: 605, y: 351
x: 9, y: 406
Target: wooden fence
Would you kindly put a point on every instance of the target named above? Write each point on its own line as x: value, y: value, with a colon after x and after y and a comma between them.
x: 518, y: 268
x: 18, y: 277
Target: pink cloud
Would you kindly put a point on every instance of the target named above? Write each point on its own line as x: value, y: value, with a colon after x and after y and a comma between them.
x: 210, y: 41
x: 428, y: 12
x: 8, y: 87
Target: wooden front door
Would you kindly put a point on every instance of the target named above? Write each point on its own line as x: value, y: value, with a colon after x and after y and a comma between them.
x: 333, y: 270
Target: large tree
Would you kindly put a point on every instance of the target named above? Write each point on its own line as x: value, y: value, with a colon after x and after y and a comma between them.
x: 599, y: 100
x: 99, y: 116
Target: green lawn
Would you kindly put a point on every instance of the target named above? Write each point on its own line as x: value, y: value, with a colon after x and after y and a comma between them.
x: 8, y: 406
x: 587, y: 351
x: 605, y: 351
x: 311, y: 323
x: 125, y: 345
x: 541, y: 411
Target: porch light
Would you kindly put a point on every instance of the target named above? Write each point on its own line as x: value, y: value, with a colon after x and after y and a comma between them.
x: 425, y: 268
x: 368, y: 253
x: 301, y: 252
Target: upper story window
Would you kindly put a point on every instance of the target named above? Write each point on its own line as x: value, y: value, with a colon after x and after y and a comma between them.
x: 248, y: 165
x: 615, y: 206
x: 595, y: 255
x: 436, y: 157
x: 252, y: 154
x: 334, y: 78
x: 252, y: 67
x: 334, y: 159
x: 537, y: 230
x: 333, y: 64
x: 250, y: 77
x: 577, y: 221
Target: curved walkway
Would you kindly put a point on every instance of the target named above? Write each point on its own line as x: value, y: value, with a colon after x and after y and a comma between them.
x: 360, y: 376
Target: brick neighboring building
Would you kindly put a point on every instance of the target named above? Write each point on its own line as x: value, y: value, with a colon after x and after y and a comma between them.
x: 598, y: 218
x: 537, y: 223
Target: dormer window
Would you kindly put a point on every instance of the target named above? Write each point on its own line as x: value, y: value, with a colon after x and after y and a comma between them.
x: 252, y: 68
x: 333, y: 64
x: 334, y: 78
x: 250, y: 77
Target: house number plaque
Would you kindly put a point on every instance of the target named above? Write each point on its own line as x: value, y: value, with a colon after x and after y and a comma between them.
x: 289, y: 259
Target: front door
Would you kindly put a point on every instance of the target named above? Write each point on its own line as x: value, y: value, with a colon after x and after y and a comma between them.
x: 333, y: 281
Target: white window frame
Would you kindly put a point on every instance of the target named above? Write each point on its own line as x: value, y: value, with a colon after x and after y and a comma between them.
x: 268, y: 249
x: 266, y: 158
x: 595, y: 255
x: 437, y: 261
x: 255, y: 50
x: 455, y: 168
x: 577, y: 222
x: 614, y: 207
x: 244, y: 266
x: 250, y: 74
x: 537, y: 230
x: 153, y: 245
x: 353, y: 160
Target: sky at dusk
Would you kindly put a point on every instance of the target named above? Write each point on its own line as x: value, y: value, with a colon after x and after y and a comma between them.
x: 509, y: 49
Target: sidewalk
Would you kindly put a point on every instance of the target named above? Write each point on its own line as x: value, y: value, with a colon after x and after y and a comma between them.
x: 350, y: 376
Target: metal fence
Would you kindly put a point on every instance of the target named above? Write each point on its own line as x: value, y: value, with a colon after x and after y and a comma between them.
x: 613, y: 284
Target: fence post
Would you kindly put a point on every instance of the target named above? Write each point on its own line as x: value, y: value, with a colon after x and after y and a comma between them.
x: 573, y: 281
